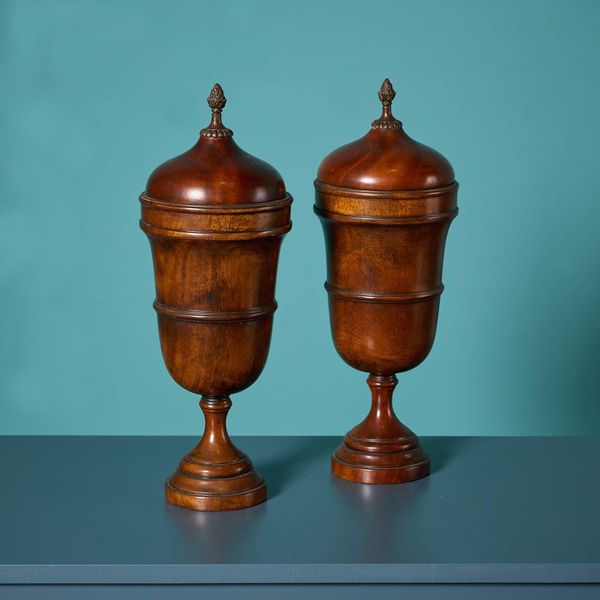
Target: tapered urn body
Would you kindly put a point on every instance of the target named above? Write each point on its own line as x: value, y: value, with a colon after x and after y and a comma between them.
x: 385, y: 203
x: 215, y: 217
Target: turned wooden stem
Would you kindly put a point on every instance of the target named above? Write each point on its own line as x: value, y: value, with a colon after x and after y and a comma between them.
x: 381, y: 422
x: 382, y: 408
x: 215, y: 444
x: 380, y: 449
x: 215, y: 475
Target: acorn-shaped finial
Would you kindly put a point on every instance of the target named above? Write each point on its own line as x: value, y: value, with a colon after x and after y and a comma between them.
x: 386, y: 93
x: 216, y: 99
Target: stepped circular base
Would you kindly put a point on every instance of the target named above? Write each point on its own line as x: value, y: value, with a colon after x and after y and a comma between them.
x: 202, y: 485
x: 379, y: 466
x: 217, y: 501
x: 379, y: 475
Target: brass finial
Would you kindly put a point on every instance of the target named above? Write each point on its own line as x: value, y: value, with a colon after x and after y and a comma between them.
x: 217, y: 101
x: 386, y: 95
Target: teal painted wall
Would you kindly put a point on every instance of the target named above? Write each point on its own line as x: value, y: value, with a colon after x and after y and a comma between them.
x: 96, y: 94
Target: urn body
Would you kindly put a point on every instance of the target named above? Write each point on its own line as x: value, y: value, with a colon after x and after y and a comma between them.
x: 386, y: 203
x: 215, y: 217
x: 215, y: 290
x: 384, y: 272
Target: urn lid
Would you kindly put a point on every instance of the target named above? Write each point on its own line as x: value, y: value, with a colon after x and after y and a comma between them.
x: 215, y: 171
x: 386, y: 158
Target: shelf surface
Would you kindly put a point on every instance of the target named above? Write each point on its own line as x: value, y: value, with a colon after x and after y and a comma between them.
x: 494, y: 510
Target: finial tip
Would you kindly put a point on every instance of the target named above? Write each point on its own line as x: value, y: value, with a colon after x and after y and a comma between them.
x: 216, y: 99
x: 386, y: 93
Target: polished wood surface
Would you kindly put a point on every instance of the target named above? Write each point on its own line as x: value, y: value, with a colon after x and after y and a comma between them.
x: 215, y: 217
x: 385, y: 203
x: 386, y: 158
x: 216, y: 170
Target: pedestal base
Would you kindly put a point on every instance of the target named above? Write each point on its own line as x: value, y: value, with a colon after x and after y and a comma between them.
x: 381, y: 449
x: 215, y: 475
x: 380, y: 464
x: 216, y: 492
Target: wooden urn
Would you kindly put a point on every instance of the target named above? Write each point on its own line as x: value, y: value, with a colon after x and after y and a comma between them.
x: 215, y: 217
x: 386, y: 203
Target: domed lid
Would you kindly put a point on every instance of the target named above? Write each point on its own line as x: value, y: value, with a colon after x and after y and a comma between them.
x: 216, y: 171
x: 386, y: 158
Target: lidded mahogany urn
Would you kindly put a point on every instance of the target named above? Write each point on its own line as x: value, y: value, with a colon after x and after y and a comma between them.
x: 215, y: 217
x: 386, y: 203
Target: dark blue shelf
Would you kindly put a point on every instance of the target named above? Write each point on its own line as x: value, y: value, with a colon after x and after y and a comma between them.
x: 89, y: 511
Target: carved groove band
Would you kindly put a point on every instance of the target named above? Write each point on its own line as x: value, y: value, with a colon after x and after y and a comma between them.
x: 191, y: 461
x: 336, y: 190
x: 177, y: 313
x: 374, y: 468
x: 367, y: 220
x: 216, y: 494
x: 216, y: 209
x: 377, y: 298
x: 201, y: 478
x: 410, y: 442
x: 215, y: 235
